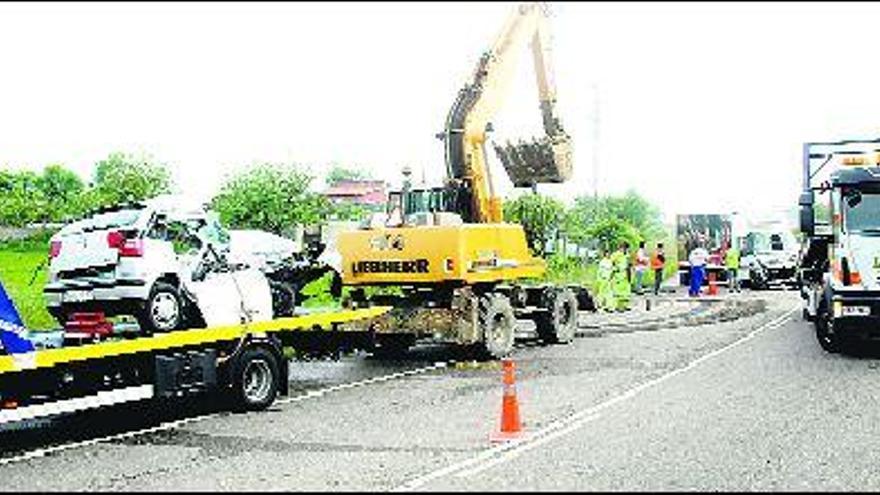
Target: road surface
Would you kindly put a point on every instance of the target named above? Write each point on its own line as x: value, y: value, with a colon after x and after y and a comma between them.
x: 751, y: 403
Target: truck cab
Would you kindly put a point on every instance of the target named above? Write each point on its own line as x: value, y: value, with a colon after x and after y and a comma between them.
x: 840, y: 261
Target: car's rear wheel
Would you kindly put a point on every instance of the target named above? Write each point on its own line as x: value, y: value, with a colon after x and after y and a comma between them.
x: 163, y: 311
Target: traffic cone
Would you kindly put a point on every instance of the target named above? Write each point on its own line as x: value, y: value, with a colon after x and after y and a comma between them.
x: 511, y: 428
x: 713, y: 288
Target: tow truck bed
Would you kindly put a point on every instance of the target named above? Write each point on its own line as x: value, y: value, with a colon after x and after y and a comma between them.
x: 60, y: 380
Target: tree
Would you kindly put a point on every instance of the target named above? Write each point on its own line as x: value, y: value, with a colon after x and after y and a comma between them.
x: 21, y: 200
x: 637, y: 211
x: 59, y: 183
x: 62, y: 189
x: 540, y: 217
x: 340, y: 173
x: 270, y: 196
x: 609, y: 232
x: 124, y: 177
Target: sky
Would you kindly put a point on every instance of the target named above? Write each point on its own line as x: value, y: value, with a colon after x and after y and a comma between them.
x: 702, y: 107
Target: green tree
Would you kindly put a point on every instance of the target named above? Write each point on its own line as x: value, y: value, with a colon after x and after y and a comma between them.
x: 637, y: 211
x: 540, y: 217
x: 338, y: 173
x: 21, y: 200
x: 125, y: 177
x: 609, y: 232
x: 270, y: 196
x: 62, y: 189
x: 60, y: 183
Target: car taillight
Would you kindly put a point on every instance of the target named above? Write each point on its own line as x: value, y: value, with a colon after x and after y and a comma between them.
x: 126, y: 247
x: 115, y: 239
x: 54, y: 249
x: 132, y: 248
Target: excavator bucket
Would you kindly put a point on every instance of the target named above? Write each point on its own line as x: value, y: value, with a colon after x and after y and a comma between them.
x: 544, y: 160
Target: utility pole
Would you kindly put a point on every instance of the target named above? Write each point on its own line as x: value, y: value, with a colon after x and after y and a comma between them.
x: 596, y: 141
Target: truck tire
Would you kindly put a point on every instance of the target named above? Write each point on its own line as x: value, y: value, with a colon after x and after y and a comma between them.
x: 163, y: 311
x: 558, y: 324
x: 255, y: 379
x: 828, y: 340
x: 496, y: 324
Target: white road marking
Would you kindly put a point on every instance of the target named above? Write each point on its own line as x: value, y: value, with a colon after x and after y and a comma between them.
x: 174, y: 424
x: 496, y: 455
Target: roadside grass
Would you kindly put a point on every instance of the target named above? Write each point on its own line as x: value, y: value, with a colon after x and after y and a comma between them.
x: 20, y: 263
x: 571, y: 270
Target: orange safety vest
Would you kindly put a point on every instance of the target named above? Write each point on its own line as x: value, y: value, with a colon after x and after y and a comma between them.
x: 656, y: 262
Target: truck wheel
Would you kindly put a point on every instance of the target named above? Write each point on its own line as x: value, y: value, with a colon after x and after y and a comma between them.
x: 824, y: 324
x: 254, y: 379
x: 163, y: 311
x: 497, y: 325
x: 558, y: 324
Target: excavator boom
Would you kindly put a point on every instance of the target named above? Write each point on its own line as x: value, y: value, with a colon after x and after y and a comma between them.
x: 544, y: 160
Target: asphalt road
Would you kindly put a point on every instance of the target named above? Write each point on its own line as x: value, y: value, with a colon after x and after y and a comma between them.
x: 752, y: 403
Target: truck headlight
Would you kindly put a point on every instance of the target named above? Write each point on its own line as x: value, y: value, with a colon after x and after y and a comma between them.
x: 838, y: 309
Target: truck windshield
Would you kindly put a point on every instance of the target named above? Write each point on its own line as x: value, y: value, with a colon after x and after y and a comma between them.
x: 863, y: 217
x: 767, y: 241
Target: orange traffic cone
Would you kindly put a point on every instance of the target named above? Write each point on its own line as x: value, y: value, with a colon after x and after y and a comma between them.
x: 713, y: 288
x: 510, y: 424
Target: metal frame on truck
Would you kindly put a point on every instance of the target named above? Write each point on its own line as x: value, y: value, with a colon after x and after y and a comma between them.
x: 243, y: 363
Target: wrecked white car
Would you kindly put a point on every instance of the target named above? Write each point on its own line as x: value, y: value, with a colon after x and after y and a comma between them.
x: 161, y: 262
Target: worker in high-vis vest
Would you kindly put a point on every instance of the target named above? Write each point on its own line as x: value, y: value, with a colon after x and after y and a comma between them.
x: 658, y: 262
x: 604, y: 294
x: 731, y: 263
x: 619, y: 280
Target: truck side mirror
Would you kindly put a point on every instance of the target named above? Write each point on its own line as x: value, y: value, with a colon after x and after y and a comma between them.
x: 807, y: 215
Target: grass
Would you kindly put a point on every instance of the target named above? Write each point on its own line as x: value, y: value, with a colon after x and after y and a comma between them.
x: 570, y: 270
x: 19, y: 262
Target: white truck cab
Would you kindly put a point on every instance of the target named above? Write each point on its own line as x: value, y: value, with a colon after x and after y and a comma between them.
x: 840, y: 261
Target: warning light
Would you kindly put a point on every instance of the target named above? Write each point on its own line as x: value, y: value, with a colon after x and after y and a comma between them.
x: 854, y: 160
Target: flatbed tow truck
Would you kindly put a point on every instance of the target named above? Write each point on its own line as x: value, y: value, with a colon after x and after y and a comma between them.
x: 243, y: 364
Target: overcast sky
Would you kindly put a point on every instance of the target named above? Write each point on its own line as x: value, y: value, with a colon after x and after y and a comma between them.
x: 703, y: 107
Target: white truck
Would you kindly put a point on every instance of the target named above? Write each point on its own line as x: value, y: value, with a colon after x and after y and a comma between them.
x: 768, y: 256
x: 840, y: 260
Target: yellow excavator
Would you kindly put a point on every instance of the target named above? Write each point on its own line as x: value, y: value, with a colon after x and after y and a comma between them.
x: 456, y: 267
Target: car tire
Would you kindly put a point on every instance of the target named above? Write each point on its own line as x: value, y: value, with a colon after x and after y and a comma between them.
x: 255, y: 376
x: 163, y: 311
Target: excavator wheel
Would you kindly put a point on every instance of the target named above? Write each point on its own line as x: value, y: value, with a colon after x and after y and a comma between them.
x: 558, y: 324
x: 497, y: 324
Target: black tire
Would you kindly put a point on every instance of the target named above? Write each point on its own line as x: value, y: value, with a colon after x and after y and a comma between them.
x: 254, y: 379
x: 558, y: 324
x: 497, y: 325
x: 163, y: 311
x: 830, y: 341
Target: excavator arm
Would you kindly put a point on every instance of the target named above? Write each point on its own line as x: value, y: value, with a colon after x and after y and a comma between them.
x: 543, y: 160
